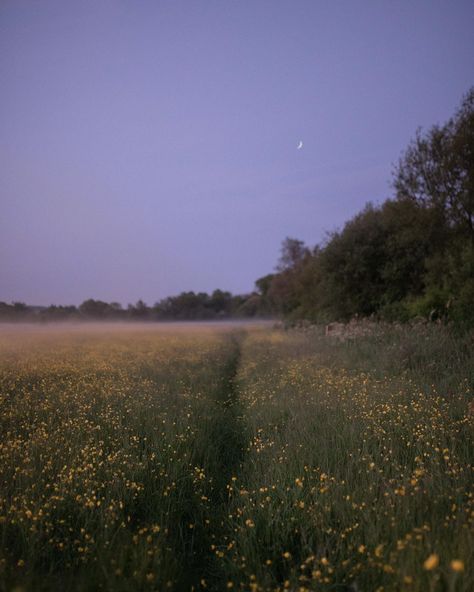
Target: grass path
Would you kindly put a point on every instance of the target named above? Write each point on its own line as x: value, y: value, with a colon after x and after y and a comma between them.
x: 221, y: 446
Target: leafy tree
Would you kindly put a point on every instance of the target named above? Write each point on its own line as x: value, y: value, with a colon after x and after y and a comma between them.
x: 353, y: 262
x: 220, y: 302
x: 58, y: 313
x: 19, y: 307
x: 437, y: 169
x: 94, y: 308
x: 437, y: 173
x: 250, y: 306
x: 140, y: 311
x: 413, y: 233
x: 263, y: 284
x: 293, y: 252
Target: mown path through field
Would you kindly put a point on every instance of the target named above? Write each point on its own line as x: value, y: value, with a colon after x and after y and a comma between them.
x: 221, y: 448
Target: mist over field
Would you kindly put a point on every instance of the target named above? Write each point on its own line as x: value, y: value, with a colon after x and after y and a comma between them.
x: 130, y: 327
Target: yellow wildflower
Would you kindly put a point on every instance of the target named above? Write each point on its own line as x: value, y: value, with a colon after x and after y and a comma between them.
x: 432, y: 562
x: 457, y: 565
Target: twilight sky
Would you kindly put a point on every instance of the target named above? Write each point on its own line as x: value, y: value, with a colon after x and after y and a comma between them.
x: 150, y: 147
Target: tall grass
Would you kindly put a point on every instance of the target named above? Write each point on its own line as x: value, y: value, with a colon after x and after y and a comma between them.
x: 360, y: 466
x: 259, y: 460
x: 104, y: 469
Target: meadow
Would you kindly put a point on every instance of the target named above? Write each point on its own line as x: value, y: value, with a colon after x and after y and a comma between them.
x: 220, y: 457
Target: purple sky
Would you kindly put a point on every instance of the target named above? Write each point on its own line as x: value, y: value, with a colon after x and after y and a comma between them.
x: 150, y: 147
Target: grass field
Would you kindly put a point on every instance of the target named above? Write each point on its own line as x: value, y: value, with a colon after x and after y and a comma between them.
x: 214, y: 457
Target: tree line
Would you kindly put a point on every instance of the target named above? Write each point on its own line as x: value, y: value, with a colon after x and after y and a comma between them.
x: 185, y: 306
x: 411, y: 256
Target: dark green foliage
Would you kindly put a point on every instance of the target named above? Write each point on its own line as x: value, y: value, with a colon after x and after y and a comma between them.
x: 218, y: 305
x: 411, y: 256
x: 184, y: 306
x: 437, y: 170
x: 354, y: 260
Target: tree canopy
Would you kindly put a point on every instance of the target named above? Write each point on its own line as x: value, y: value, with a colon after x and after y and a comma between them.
x: 412, y: 255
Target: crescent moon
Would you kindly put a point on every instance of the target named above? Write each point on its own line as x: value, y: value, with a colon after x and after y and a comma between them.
x: 300, y: 145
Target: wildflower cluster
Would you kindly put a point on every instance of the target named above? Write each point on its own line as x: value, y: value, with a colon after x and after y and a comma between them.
x: 351, y: 479
x: 198, y: 458
x: 98, y: 458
